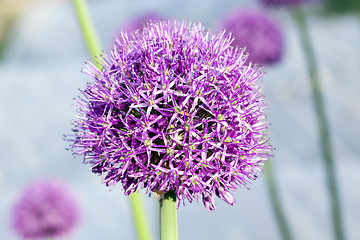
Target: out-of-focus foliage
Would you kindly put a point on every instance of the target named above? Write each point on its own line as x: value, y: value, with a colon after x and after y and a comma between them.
x: 342, y: 6
x: 9, y: 11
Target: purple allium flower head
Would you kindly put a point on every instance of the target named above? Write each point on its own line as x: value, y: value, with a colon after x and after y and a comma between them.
x: 174, y: 108
x: 286, y: 3
x: 139, y: 22
x: 45, y: 209
x: 257, y: 32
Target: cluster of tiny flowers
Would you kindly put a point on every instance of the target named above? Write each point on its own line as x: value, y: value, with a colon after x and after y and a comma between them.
x: 288, y: 3
x: 258, y: 33
x: 174, y: 108
x: 44, y: 210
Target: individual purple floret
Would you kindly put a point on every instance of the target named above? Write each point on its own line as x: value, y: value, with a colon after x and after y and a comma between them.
x: 139, y: 22
x: 174, y: 108
x: 288, y: 3
x: 258, y: 33
x: 44, y: 210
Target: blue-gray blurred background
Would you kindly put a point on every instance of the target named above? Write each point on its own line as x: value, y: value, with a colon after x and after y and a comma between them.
x: 40, y: 74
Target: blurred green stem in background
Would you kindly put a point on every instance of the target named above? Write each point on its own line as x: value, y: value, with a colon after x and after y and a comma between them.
x: 300, y: 20
x: 341, y: 6
x: 5, y: 27
x: 94, y: 47
x: 276, y: 203
x: 336, y: 6
x: 87, y: 28
x: 168, y: 216
x: 9, y: 10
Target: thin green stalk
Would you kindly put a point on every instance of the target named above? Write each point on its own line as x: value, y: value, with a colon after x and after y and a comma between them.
x: 322, y: 124
x: 140, y: 220
x: 276, y: 203
x: 168, y: 217
x: 94, y: 48
x: 87, y: 28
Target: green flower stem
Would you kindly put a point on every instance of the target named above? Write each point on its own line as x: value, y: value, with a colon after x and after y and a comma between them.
x: 142, y: 228
x: 168, y: 217
x: 322, y: 123
x: 87, y: 28
x: 276, y: 203
x: 94, y: 49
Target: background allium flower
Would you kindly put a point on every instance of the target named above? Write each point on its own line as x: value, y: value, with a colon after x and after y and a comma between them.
x: 139, y: 22
x: 174, y: 108
x: 257, y: 32
x: 288, y: 3
x: 45, y: 209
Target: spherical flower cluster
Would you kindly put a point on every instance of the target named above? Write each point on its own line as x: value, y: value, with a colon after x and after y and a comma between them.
x: 287, y: 3
x: 174, y: 108
x: 44, y: 210
x: 257, y: 32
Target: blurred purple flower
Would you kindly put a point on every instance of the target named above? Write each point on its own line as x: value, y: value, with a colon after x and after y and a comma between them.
x: 174, y: 108
x: 288, y: 3
x: 45, y: 209
x: 139, y: 22
x: 258, y: 33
